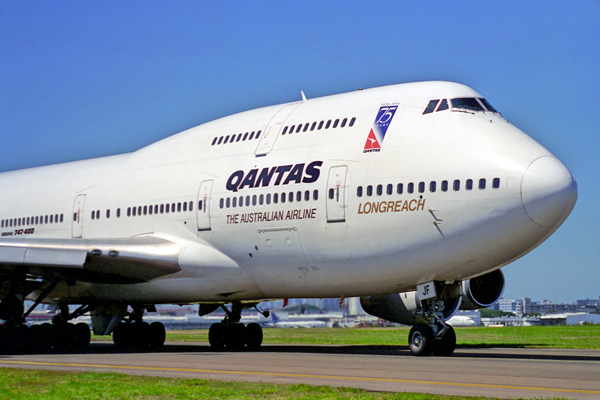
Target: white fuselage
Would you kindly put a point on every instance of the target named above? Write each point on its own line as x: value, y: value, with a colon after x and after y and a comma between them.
x: 325, y: 247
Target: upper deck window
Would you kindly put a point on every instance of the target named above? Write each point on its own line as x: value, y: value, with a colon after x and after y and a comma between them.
x: 466, y: 103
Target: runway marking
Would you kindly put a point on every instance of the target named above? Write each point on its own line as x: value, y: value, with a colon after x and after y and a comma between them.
x: 289, y: 375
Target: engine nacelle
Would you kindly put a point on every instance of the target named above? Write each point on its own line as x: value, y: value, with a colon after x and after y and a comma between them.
x: 483, y: 291
x: 399, y: 307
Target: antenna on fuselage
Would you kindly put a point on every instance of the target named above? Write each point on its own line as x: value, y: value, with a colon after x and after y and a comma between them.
x: 303, y: 96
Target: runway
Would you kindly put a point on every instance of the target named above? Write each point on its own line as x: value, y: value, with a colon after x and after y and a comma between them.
x: 493, y: 372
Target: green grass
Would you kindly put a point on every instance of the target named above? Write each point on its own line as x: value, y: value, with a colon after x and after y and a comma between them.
x: 18, y: 384
x: 559, y: 337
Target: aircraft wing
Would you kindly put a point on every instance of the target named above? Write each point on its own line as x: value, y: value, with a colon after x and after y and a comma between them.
x: 128, y: 260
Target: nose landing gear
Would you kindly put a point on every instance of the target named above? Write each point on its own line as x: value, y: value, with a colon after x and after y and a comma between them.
x: 438, y: 337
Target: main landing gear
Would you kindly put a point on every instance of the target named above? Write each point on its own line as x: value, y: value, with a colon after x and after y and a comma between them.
x: 16, y: 337
x: 231, y: 335
x: 437, y: 337
x: 136, y: 335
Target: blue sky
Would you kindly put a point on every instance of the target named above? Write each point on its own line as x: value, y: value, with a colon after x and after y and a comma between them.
x: 88, y: 79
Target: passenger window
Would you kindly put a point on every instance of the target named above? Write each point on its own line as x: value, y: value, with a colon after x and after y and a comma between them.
x: 320, y: 125
x: 292, y: 129
x: 400, y: 188
x: 93, y: 216
x: 268, y: 198
x: 283, y: 197
x: 305, y: 127
x: 444, y: 186
x: 107, y: 214
x: 352, y: 121
x: 482, y: 184
x: 227, y: 202
x: 128, y: 213
x: 443, y: 105
x: 220, y: 140
x: 369, y: 190
x: 284, y: 130
x: 410, y: 188
x: 390, y: 189
x: 431, y: 106
x: 331, y: 193
x: 214, y: 141
x: 145, y: 210
x: 312, y: 127
x: 251, y: 136
x: 307, y: 195
x: 239, y: 138
x: 162, y: 208
x: 496, y: 183
x: 291, y: 197
x: 241, y: 202
x: 226, y: 139
x: 359, y: 191
x: 298, y: 196
x: 51, y: 219
x: 379, y: 190
x: 221, y: 203
x: 344, y: 122
x: 253, y: 200
x: 178, y: 207
x: 28, y: 221
x: 233, y: 202
x: 173, y: 207
x: 258, y: 134
x: 315, y: 195
x: 469, y: 184
x: 432, y: 186
x: 328, y: 124
x: 299, y: 128
x: 456, y: 186
x: 245, y: 136
x: 261, y: 199
x: 118, y: 214
x: 275, y: 198
x: 184, y: 207
x: 335, y: 124
x: 421, y: 187
x: 134, y: 209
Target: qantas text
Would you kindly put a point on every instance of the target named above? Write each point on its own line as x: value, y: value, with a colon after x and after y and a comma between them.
x: 281, y: 175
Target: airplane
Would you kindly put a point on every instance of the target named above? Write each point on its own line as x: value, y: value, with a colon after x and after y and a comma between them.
x: 460, y: 320
x: 410, y: 196
x: 286, y: 322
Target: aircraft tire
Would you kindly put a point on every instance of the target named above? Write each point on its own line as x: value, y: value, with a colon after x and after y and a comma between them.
x: 420, y: 340
x: 235, y: 337
x: 216, y: 336
x: 48, y: 336
x: 82, y: 336
x: 444, y: 346
x: 254, y: 336
x: 156, y: 335
x: 121, y: 336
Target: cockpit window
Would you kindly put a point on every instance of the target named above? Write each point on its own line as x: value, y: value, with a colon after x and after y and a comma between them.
x: 487, y: 105
x: 466, y: 103
x: 431, y: 106
x: 443, y: 105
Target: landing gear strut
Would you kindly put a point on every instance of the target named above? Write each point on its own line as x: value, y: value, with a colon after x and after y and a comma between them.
x: 136, y: 335
x: 232, y: 335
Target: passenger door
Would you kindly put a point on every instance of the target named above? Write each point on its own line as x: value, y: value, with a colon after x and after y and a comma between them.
x: 336, y: 194
x: 271, y: 132
x: 203, y: 209
x: 77, y: 227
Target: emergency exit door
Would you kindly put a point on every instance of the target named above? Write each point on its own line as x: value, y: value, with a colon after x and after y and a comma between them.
x: 203, y: 209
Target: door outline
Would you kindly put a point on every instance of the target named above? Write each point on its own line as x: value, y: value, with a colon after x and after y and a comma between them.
x: 77, y: 226
x: 203, y: 209
x: 272, y: 130
x: 336, y: 193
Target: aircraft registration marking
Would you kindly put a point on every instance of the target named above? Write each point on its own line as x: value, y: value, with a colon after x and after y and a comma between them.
x: 282, y: 374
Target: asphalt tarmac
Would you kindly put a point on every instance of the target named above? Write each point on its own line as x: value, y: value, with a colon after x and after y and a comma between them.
x: 493, y: 372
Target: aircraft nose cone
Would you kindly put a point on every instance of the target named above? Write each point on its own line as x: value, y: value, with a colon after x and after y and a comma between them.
x: 548, y: 191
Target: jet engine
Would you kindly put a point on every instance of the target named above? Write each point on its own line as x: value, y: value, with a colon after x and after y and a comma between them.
x: 399, y: 307
x: 483, y: 291
x: 479, y: 292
